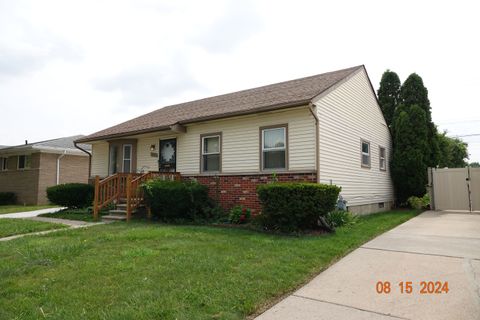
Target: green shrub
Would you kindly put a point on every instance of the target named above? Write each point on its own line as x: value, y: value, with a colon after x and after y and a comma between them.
x: 419, y: 203
x: 295, y: 206
x: 239, y: 215
x: 178, y: 200
x: 71, y: 195
x: 339, y: 218
x: 7, y: 198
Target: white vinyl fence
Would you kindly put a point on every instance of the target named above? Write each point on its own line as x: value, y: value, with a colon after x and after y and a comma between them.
x: 455, y: 188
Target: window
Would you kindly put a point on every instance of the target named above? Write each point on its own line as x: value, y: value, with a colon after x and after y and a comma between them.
x: 3, y: 163
x: 211, y: 153
x: 127, y: 158
x: 383, y: 159
x: 365, y: 154
x: 24, y: 162
x: 274, y: 148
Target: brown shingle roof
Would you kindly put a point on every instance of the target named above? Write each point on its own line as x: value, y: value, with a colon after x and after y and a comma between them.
x: 270, y: 97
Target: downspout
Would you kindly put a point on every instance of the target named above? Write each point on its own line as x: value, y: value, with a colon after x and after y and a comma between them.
x: 58, y: 165
x: 317, y: 140
x: 89, y: 158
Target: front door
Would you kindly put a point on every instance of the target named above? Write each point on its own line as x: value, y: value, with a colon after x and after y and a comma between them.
x: 167, y: 161
x: 122, y: 156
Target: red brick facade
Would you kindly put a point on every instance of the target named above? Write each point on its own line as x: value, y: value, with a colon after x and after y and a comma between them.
x: 232, y: 190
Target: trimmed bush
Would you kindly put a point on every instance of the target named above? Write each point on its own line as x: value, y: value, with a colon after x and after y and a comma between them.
x: 71, y: 195
x: 295, y: 206
x: 178, y: 200
x: 7, y: 198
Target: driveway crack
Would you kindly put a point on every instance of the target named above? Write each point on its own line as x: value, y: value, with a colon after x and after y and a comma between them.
x: 470, y: 270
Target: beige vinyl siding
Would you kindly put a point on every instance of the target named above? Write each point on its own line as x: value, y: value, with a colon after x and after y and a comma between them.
x: 240, y: 142
x: 348, y: 114
x: 100, y: 159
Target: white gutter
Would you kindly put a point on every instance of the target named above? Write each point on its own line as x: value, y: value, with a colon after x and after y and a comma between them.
x: 313, y: 111
x: 58, y: 165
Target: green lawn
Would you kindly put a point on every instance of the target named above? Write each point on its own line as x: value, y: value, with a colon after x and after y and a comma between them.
x: 152, y: 271
x: 17, y: 208
x: 73, y: 214
x: 10, y: 227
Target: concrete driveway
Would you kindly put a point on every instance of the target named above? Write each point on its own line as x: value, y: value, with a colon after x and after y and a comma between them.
x: 435, y: 246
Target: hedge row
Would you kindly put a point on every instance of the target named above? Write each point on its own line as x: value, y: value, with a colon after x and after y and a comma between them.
x: 71, y: 195
x: 7, y: 198
x: 295, y: 206
x: 178, y: 200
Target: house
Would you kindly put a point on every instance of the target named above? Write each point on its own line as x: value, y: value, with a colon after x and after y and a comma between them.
x: 29, y: 169
x: 325, y: 128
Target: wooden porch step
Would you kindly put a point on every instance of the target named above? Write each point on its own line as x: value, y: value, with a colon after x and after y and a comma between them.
x: 118, y: 211
x: 115, y: 217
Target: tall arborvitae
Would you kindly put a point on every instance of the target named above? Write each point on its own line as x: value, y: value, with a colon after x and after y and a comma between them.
x: 413, y: 92
x: 388, y: 94
x: 408, y: 165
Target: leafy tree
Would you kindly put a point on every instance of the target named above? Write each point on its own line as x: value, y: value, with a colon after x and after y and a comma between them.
x: 408, y: 166
x: 388, y: 94
x: 413, y: 92
x: 474, y: 164
x: 453, y: 152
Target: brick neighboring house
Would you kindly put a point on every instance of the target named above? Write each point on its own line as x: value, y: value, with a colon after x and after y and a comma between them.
x: 29, y: 169
x: 326, y: 128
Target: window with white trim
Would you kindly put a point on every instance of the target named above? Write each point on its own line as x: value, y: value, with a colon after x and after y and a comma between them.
x: 365, y: 146
x: 382, y: 158
x: 211, y: 153
x: 3, y: 163
x: 24, y: 162
x: 274, y: 148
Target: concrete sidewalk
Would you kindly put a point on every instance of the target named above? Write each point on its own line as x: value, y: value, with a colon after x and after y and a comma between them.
x: 435, y: 246
x: 29, y: 214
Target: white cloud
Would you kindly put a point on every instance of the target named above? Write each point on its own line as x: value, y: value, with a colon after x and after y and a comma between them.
x: 69, y: 67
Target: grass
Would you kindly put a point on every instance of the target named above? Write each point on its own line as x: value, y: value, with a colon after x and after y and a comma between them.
x: 19, y: 208
x: 10, y: 227
x: 154, y: 271
x: 73, y: 214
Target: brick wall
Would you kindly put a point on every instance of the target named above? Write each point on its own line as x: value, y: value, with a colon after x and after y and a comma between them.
x: 232, y: 190
x: 24, y: 183
x: 72, y: 169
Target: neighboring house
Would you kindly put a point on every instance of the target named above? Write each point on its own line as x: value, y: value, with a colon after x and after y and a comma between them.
x: 27, y: 170
x: 326, y: 128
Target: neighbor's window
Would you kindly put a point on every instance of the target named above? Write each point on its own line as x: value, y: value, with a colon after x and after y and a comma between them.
x: 383, y: 159
x: 3, y: 163
x: 24, y: 162
x: 211, y: 152
x: 274, y: 148
x: 365, y: 154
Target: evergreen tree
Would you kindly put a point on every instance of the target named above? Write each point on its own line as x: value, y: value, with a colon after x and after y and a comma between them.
x: 413, y: 92
x: 408, y: 165
x: 388, y: 94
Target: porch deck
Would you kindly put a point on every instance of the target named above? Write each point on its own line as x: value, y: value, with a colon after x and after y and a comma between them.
x: 125, y: 187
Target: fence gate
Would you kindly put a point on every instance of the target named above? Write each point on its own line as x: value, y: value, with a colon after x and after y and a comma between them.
x: 455, y: 189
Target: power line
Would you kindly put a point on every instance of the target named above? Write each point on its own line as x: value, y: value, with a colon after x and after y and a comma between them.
x: 459, y: 121
x: 468, y: 135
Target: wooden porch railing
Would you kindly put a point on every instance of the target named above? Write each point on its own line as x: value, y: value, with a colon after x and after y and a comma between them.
x: 135, y: 194
x: 125, y: 185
